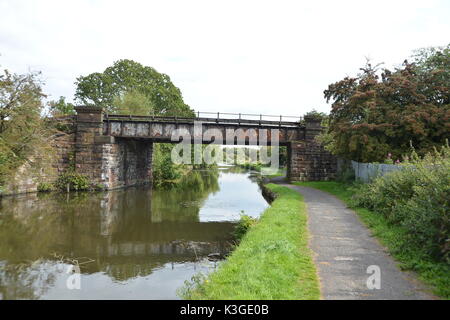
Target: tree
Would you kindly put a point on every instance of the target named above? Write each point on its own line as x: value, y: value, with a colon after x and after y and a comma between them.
x: 101, y: 89
x: 22, y: 130
x: 133, y: 102
x: 322, y: 116
x: 20, y: 95
x: 377, y: 113
x: 128, y: 87
x: 61, y: 108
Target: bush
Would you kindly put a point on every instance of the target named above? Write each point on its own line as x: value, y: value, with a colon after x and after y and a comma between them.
x: 252, y: 166
x: 75, y: 181
x: 416, y: 198
x: 244, y: 224
x: 44, y: 187
x: 165, y: 172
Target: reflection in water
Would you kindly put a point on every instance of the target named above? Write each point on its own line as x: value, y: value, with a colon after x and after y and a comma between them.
x: 135, y: 243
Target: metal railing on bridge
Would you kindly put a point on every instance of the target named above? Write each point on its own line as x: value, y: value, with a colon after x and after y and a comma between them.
x: 217, y: 117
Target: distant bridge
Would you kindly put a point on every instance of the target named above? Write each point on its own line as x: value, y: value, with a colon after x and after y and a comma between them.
x: 116, y: 150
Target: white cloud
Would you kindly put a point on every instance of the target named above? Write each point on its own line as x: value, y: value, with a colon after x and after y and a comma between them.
x: 273, y: 57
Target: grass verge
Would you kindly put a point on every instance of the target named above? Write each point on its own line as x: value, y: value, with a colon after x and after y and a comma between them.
x: 279, y: 173
x: 272, y: 261
x: 393, y: 237
x: 258, y: 167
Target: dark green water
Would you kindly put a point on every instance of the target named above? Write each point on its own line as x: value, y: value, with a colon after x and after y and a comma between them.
x: 136, y: 243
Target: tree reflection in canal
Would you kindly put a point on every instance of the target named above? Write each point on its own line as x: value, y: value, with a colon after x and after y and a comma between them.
x: 132, y: 243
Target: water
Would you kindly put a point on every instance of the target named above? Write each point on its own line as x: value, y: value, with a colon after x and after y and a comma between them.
x: 136, y: 243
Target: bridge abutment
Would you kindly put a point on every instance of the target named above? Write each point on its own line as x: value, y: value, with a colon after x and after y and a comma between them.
x: 106, y: 160
x: 307, y: 159
x: 127, y: 163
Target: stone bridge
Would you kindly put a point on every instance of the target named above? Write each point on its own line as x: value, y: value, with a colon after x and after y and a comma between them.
x: 116, y: 151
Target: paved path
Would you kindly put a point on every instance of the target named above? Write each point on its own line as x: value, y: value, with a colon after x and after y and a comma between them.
x: 344, y: 249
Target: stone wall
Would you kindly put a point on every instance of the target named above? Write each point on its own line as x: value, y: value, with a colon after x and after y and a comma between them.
x: 44, y: 168
x: 308, y: 160
x: 104, y: 160
x: 64, y: 148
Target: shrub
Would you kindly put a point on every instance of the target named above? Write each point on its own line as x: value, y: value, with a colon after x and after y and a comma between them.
x: 256, y: 166
x: 75, y: 181
x: 418, y: 198
x: 44, y: 187
x: 99, y: 187
x: 165, y: 172
x: 244, y: 224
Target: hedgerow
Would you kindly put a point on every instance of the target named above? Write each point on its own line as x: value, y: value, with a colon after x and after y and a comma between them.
x: 416, y: 198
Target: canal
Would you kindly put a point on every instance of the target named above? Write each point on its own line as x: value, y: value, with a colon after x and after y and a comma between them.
x: 136, y: 243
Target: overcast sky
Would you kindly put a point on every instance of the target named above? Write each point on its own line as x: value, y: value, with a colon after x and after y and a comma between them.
x: 273, y: 57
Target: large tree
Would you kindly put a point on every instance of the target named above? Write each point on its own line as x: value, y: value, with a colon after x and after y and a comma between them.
x: 124, y: 76
x: 383, y: 111
x: 128, y: 87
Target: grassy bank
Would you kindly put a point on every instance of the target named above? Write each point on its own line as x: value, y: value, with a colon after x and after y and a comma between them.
x: 258, y: 167
x: 272, y: 261
x: 394, y: 237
